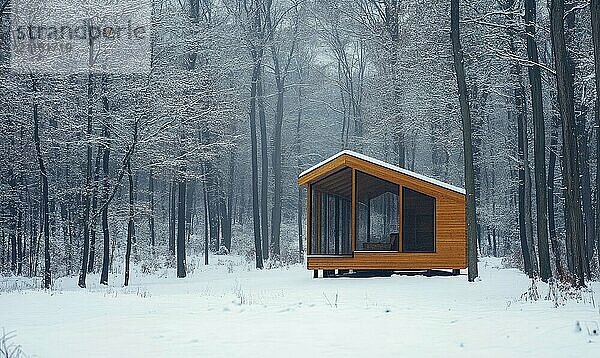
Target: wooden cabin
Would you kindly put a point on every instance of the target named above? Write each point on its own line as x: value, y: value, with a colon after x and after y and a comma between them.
x: 365, y: 214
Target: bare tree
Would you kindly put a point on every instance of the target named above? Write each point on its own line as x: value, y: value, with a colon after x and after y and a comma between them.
x: 130, y: 223
x: 44, y: 194
x: 467, y: 139
x: 539, y: 141
x: 595, y: 19
x: 564, y: 85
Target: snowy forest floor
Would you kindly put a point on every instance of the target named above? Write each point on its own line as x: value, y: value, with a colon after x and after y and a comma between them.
x: 229, y: 309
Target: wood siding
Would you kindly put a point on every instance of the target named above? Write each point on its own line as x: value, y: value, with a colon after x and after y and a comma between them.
x: 450, y: 225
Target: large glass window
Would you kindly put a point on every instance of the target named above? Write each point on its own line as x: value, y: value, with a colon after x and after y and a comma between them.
x: 331, y: 214
x: 376, y: 213
x: 418, y: 221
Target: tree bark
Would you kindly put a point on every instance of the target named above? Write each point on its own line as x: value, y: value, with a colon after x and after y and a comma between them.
x: 230, y: 194
x: 524, y: 233
x: 595, y: 20
x: 254, y: 148
x: 151, y: 201
x: 104, y: 213
x: 300, y: 207
x: 86, y: 194
x: 12, y: 238
x: 276, y: 158
x: 2, y: 250
x: 206, y: 214
x: 551, y: 218
x: 391, y: 25
x: 181, y: 269
x: 106, y: 188
x: 524, y: 195
x: 586, y: 189
x: 130, y: 223
x: 44, y: 197
x: 190, y: 198
x: 172, y: 218
x: 564, y: 85
x: 95, y: 190
x: 539, y: 141
x: 467, y: 141
x: 214, y: 199
x: 264, y: 172
x: 19, y: 234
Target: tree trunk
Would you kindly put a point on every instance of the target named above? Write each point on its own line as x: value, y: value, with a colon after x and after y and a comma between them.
x: 19, y: 234
x: 86, y: 194
x: 564, y: 85
x: 595, y: 19
x: 241, y: 202
x: 230, y: 194
x: 264, y: 172
x: 254, y: 148
x: 206, y: 214
x: 130, y: 224
x: 151, y: 201
x: 586, y: 190
x: 300, y: 207
x: 2, y: 248
x: 391, y: 24
x: 551, y: 218
x: 12, y: 237
x: 539, y: 141
x: 172, y: 219
x: 44, y: 198
x: 95, y: 190
x: 69, y: 245
x: 467, y: 141
x: 32, y: 233
x: 214, y: 216
x: 190, y: 198
x: 104, y: 213
x: 528, y: 207
x: 524, y: 199
x: 276, y: 158
x: 181, y: 270
x: 225, y: 228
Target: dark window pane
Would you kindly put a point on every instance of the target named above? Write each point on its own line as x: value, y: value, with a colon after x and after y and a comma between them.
x: 418, y: 221
x: 376, y: 213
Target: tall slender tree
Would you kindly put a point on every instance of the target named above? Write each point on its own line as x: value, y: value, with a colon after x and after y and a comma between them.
x: 264, y: 167
x: 88, y: 179
x: 104, y: 211
x: 595, y: 19
x: 564, y: 85
x: 44, y: 194
x: 181, y: 269
x: 539, y: 140
x: 130, y: 223
x: 256, y: 49
x: 151, y: 223
x: 467, y: 140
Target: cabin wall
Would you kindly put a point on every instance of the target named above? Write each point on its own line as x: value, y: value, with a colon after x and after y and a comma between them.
x: 450, y: 247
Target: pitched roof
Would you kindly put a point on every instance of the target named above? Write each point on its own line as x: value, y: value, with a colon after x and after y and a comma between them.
x: 387, y: 166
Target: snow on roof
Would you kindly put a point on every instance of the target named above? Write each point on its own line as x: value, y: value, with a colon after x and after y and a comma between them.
x: 388, y: 166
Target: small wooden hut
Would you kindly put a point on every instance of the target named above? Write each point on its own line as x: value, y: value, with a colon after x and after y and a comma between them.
x: 365, y: 214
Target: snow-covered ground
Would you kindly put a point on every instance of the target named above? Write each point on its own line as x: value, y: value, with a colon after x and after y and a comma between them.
x: 229, y: 309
